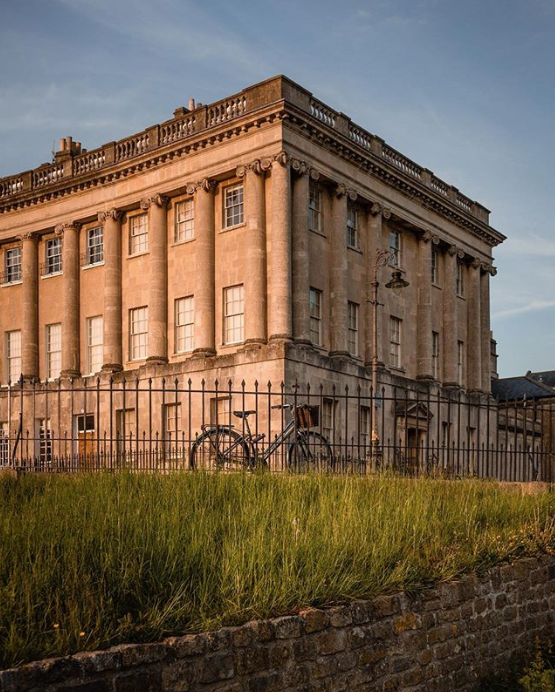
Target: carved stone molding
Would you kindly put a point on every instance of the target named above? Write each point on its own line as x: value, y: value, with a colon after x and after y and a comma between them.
x: 258, y: 166
x: 206, y: 185
x: 488, y: 268
x: 343, y: 191
x: 113, y: 214
x: 476, y: 263
x: 314, y: 174
x: 69, y: 226
x: 158, y: 200
x: 453, y: 250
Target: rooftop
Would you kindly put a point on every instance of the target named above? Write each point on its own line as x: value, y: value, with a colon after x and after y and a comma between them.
x: 75, y: 168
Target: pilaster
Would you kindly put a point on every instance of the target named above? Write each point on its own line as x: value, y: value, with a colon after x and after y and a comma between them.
x: 474, y: 328
x: 450, y: 320
x: 204, y: 279
x: 30, y: 316
x: 113, y: 314
x: 424, y: 369
x: 339, y: 325
x: 300, y: 250
x: 71, y: 362
x: 158, y: 284
x: 280, y: 314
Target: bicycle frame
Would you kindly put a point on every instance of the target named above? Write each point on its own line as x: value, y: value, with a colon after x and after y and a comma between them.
x: 251, y: 441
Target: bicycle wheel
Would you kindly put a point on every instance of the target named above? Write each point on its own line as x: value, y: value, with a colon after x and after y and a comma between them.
x: 310, y: 452
x: 220, y: 449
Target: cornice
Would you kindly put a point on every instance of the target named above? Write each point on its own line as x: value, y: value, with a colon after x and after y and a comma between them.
x: 280, y: 110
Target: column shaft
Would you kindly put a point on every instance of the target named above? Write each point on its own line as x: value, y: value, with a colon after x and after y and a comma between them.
x: 474, y: 324
x: 424, y: 368
x: 485, y: 331
x: 375, y: 243
x: 113, y: 350
x: 30, y: 326
x: 71, y: 364
x: 300, y: 260
x: 255, y: 277
x: 450, y: 323
x: 204, y: 269
x: 158, y: 285
x: 280, y: 315
x: 338, y: 277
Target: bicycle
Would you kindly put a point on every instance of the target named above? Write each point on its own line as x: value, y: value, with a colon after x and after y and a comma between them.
x: 223, y: 447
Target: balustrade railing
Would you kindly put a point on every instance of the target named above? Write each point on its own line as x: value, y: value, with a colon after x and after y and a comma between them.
x: 91, y: 161
x: 226, y: 110
x: 177, y: 129
x: 47, y: 175
x: 322, y: 112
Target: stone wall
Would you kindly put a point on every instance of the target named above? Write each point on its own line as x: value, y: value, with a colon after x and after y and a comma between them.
x: 447, y: 638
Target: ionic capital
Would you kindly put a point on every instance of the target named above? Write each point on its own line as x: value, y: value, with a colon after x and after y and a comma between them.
x: 206, y: 185
x: 452, y: 250
x: 378, y: 209
x: 69, y: 226
x: 488, y: 268
x: 158, y: 200
x: 314, y: 174
x: 299, y: 167
x: 282, y: 158
x: 476, y: 264
x: 113, y: 214
x: 427, y: 237
x: 28, y: 236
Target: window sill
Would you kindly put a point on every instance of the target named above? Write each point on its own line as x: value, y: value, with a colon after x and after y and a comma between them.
x: 355, y: 249
x: 316, y: 232
x: 397, y: 368
x: 183, y: 242
x: 93, y: 265
x: 232, y: 228
x: 11, y: 283
x: 436, y: 286
x: 460, y: 296
x: 138, y: 254
x: 232, y: 345
x: 182, y: 353
x: 50, y: 275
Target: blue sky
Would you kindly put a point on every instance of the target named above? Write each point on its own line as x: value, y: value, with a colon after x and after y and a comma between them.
x: 466, y: 89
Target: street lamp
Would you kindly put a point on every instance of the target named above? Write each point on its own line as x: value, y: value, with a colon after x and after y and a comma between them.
x: 382, y: 258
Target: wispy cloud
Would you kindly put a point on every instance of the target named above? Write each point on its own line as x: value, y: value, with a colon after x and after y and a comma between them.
x: 530, y: 245
x: 532, y: 306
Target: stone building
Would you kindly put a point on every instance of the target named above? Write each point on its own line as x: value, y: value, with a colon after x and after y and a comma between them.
x: 236, y: 241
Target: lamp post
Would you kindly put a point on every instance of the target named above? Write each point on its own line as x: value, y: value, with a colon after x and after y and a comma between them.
x: 382, y: 258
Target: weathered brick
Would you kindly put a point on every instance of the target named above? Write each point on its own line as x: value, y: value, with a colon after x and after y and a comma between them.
x: 266, y: 682
x: 179, y: 675
x: 252, y: 659
x: 362, y: 611
x: 220, y: 666
x: 330, y: 641
x: 189, y: 645
x: 146, y: 680
x: 288, y: 627
x: 314, y: 620
x: 409, y: 621
x: 241, y: 636
x: 386, y: 605
x: 98, y: 661
x: 340, y: 616
x: 140, y: 654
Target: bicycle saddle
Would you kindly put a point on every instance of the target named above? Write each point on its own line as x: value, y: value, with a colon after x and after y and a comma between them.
x: 243, y: 414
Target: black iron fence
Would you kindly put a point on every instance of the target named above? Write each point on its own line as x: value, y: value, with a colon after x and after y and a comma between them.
x: 163, y: 426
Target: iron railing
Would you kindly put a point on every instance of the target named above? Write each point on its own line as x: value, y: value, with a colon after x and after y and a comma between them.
x: 162, y: 425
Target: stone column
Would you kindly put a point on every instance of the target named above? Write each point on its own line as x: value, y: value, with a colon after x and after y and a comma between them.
x: 158, y: 284
x: 280, y: 315
x: 71, y: 362
x: 113, y: 316
x: 205, y: 264
x: 474, y: 328
x: 374, y: 243
x: 339, y: 316
x: 424, y: 369
x: 300, y: 251
x: 485, y: 327
x: 30, y: 307
x: 450, y: 323
x: 255, y: 253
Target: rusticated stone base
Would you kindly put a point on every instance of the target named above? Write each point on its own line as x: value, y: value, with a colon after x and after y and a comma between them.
x: 446, y: 639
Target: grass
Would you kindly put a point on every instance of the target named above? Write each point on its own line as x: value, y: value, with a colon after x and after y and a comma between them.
x: 90, y: 561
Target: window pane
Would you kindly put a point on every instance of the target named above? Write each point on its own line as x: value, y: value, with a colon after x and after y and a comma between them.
x: 95, y: 246
x: 13, y: 355
x: 233, y: 314
x: 53, y: 259
x: 233, y: 205
x: 184, y: 324
x: 138, y: 333
x: 95, y: 343
x: 53, y: 350
x: 184, y: 220
x: 13, y: 265
x: 138, y: 240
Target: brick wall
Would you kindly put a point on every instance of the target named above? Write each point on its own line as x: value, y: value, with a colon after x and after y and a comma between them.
x: 446, y: 639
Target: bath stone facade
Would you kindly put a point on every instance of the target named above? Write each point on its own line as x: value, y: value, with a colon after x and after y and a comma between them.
x: 236, y: 241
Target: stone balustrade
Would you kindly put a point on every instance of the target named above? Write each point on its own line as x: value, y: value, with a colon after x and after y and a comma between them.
x: 188, y: 124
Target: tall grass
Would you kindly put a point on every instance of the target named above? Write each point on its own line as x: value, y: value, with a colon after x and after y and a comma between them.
x: 90, y: 561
